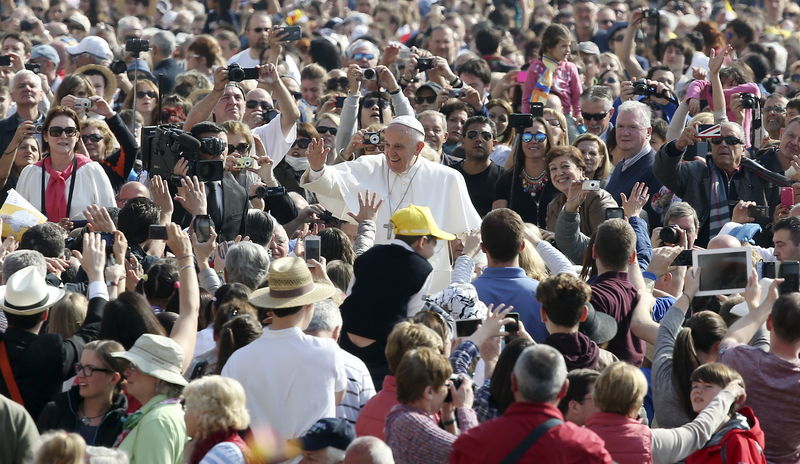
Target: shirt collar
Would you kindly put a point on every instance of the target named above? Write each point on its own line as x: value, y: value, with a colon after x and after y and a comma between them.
x: 402, y: 244
x: 630, y: 161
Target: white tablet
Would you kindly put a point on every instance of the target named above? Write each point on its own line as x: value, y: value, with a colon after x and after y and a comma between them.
x: 724, y: 271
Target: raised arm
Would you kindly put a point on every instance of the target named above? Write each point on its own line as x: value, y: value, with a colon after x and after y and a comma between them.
x: 202, y: 109
x: 184, y: 331
x: 742, y: 331
x: 626, y: 56
x: 24, y: 129
x: 718, y: 94
x: 270, y: 80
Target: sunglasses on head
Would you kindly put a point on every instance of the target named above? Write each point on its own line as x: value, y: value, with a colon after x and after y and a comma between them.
x: 538, y: 137
x: 148, y: 94
x: 302, y: 143
x: 91, y: 137
x: 327, y: 130
x: 253, y: 104
x: 56, y: 131
x: 370, y: 102
x: 338, y: 83
x: 241, y: 148
x: 421, y: 100
x: 362, y: 56
x: 728, y: 139
x: 485, y: 135
x: 594, y: 116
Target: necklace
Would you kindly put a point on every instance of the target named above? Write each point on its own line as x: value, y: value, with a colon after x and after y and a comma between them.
x: 532, y: 185
x: 87, y: 420
x: 392, y: 209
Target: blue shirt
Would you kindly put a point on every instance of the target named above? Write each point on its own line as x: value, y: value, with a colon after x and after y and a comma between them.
x: 511, y: 286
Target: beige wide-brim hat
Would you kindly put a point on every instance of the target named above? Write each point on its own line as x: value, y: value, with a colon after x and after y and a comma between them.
x: 158, y: 356
x: 27, y: 293
x: 290, y: 284
x: 111, y: 79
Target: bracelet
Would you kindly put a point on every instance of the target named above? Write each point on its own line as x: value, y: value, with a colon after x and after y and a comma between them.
x: 184, y: 256
x: 450, y: 422
x: 186, y: 266
x: 396, y: 91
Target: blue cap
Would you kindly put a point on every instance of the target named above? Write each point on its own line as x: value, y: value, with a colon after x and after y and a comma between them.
x: 139, y: 65
x: 47, y: 52
x: 334, y: 432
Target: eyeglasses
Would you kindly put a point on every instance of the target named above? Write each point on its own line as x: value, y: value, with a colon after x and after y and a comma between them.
x: 148, y: 94
x: 302, y: 143
x: 485, y: 135
x: 87, y: 370
x: 538, y: 137
x: 91, y: 138
x: 327, y: 130
x: 259, y: 30
x: 370, y: 102
x: 241, y: 148
x: 594, y: 116
x: 253, y: 104
x: 421, y: 100
x: 56, y: 131
x: 728, y: 139
x: 774, y: 109
x: 362, y: 56
x: 338, y: 83
x: 553, y: 123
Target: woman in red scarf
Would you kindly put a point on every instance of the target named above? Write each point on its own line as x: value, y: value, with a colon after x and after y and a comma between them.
x: 215, y: 413
x: 65, y: 182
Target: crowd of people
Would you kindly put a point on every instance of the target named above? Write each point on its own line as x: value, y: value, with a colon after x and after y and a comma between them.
x: 363, y: 232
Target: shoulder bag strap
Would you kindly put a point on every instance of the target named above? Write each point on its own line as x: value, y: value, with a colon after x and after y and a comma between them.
x: 530, y: 440
x: 8, y: 375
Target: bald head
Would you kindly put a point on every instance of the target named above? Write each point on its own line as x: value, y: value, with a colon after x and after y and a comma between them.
x: 723, y: 241
x: 368, y: 450
x: 131, y: 190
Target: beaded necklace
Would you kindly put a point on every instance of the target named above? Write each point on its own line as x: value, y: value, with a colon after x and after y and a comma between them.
x: 532, y: 185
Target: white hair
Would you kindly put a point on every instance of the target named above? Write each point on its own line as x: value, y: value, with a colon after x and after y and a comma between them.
x: 20, y: 74
x: 434, y: 114
x: 736, y: 127
x: 368, y: 450
x: 326, y: 317
x: 540, y: 371
x: 246, y: 263
x: 642, y: 112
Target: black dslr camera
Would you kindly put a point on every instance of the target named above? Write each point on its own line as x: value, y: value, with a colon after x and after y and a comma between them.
x: 137, y: 45
x: 749, y: 100
x: 670, y: 235
x: 237, y: 73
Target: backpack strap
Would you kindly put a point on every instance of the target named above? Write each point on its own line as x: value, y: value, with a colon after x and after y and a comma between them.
x: 8, y: 375
x: 530, y: 440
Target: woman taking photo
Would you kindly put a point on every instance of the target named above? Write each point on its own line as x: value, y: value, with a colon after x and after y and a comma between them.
x: 95, y: 407
x: 526, y: 187
x: 595, y: 157
x: 64, y: 183
x: 566, y: 170
x: 215, y: 413
x: 26, y: 153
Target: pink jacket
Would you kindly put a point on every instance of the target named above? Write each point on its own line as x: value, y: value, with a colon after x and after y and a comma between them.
x: 372, y: 417
x: 566, y: 84
x: 628, y: 440
x: 701, y: 90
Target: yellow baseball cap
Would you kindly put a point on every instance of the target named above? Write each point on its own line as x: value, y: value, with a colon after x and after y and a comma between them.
x: 418, y: 220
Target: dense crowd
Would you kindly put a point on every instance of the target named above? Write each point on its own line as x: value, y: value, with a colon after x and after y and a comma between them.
x: 366, y: 232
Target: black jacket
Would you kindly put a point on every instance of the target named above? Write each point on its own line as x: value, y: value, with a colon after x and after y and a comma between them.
x: 41, y: 363
x: 119, y: 164
x: 234, y: 205
x: 62, y: 413
x: 170, y: 69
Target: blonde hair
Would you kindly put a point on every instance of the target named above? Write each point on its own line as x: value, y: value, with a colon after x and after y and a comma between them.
x: 701, y: 118
x: 60, y: 447
x: 606, y: 167
x: 239, y: 128
x: 67, y: 316
x: 620, y: 389
x: 530, y: 260
x: 562, y: 121
x: 219, y: 403
x: 108, y: 137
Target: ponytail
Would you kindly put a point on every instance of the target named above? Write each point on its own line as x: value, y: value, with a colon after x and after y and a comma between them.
x: 701, y: 333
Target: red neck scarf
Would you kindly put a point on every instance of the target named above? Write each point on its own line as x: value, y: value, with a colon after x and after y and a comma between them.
x: 55, y: 199
x: 205, y: 445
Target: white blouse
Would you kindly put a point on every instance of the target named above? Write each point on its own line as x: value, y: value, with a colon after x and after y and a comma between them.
x: 92, y: 188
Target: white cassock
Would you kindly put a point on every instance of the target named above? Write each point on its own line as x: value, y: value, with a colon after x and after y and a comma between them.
x: 430, y: 184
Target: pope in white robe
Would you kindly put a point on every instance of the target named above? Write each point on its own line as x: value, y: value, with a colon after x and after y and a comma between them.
x: 400, y: 177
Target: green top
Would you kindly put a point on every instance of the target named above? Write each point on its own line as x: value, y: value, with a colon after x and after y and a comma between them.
x: 159, y: 435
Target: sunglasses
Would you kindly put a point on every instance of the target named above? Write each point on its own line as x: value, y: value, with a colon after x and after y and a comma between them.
x: 338, y: 83
x: 594, y: 116
x: 253, y: 104
x: 728, y: 139
x: 87, y: 371
x: 241, y: 148
x: 611, y: 80
x: 91, y: 138
x: 485, y: 135
x: 302, y: 143
x: 795, y: 78
x: 362, y: 56
x: 327, y: 130
x: 421, y: 100
x: 56, y: 131
x: 538, y: 137
x: 148, y: 94
x: 369, y: 103
x: 259, y: 30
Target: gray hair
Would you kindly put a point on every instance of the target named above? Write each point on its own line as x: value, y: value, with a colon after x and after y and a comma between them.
x: 681, y: 209
x: 164, y: 41
x: 327, y: 317
x: 643, y: 112
x: 168, y: 389
x: 363, y: 43
x: 20, y: 74
x: 369, y: 450
x: 103, y: 455
x: 736, y: 128
x: 247, y: 264
x: 540, y: 372
x: 598, y: 93
x: 129, y: 22
x: 435, y: 114
x: 21, y: 259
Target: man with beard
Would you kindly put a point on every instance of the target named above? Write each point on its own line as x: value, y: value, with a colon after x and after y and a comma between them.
x: 479, y: 172
x: 774, y: 115
x: 257, y: 30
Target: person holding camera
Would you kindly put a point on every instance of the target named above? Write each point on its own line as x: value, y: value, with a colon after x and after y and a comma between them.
x: 26, y: 93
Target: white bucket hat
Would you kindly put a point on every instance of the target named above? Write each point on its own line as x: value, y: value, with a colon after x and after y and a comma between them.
x: 26, y: 293
x: 158, y: 356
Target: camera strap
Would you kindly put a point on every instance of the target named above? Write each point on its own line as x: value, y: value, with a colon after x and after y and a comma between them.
x: 71, y: 187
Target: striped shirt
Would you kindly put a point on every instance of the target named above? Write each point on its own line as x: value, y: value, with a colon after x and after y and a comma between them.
x: 224, y: 453
x: 359, y: 388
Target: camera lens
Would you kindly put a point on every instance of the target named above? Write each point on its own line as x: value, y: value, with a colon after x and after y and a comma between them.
x: 670, y: 234
x: 369, y: 74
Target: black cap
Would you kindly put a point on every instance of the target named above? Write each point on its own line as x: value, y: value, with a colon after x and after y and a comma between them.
x: 337, y: 433
x: 600, y: 327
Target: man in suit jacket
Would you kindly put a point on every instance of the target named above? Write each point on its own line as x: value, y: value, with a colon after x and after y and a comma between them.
x: 225, y: 201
